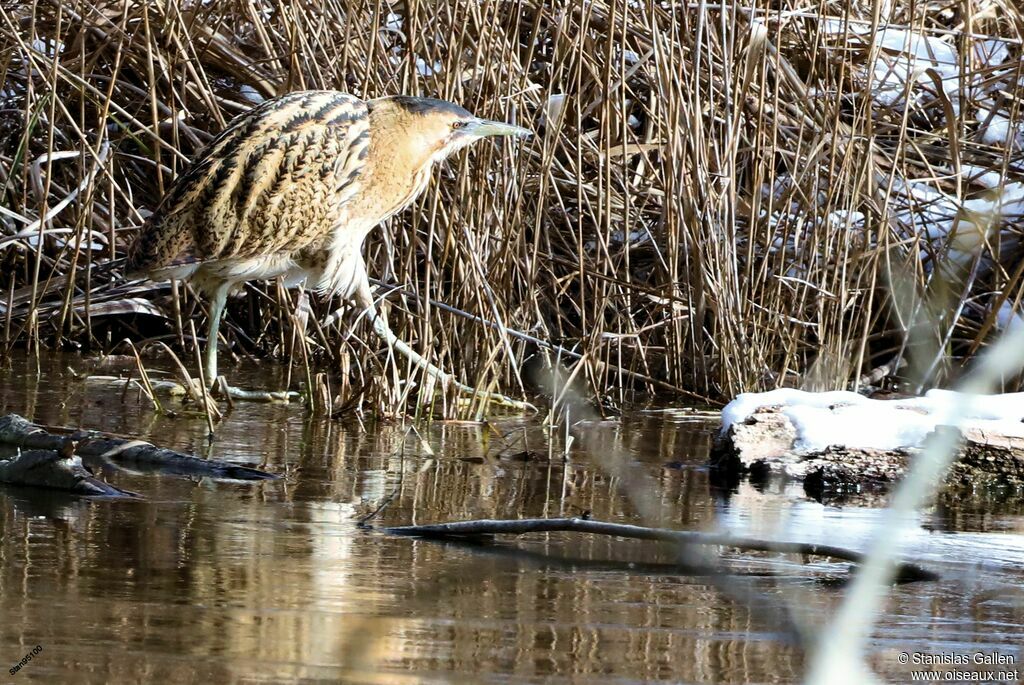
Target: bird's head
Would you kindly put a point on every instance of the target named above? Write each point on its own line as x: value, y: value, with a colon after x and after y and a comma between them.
x: 434, y: 129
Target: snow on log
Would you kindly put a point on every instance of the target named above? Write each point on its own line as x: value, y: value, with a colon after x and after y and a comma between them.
x: 843, y: 441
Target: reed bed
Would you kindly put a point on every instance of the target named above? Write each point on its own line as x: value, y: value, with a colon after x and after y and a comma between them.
x: 719, y: 197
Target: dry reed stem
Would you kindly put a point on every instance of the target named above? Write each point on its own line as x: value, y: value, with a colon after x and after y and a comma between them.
x: 635, y: 230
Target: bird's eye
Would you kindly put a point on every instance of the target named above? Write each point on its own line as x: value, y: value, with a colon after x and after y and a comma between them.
x: 459, y: 124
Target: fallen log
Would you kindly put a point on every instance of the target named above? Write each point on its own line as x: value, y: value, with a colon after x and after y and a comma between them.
x: 56, y: 470
x: 98, y: 448
x: 484, y: 530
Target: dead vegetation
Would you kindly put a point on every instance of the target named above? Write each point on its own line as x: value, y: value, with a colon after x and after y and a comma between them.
x: 718, y: 199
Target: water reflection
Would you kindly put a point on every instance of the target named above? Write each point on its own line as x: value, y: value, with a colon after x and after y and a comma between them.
x: 274, y: 582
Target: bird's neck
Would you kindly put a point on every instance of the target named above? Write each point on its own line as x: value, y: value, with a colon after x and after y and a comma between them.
x: 394, y: 176
x: 398, y: 169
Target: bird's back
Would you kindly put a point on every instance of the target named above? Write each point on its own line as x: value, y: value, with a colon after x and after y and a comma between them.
x: 274, y: 182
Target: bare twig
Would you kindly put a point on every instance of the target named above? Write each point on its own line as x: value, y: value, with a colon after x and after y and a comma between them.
x: 484, y: 528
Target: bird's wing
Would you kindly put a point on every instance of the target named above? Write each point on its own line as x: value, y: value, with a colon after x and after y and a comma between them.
x: 276, y: 180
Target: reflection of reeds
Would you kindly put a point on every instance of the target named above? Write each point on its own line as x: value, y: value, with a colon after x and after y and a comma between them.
x: 711, y: 202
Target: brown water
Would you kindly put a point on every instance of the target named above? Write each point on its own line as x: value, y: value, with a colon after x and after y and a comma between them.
x: 273, y: 582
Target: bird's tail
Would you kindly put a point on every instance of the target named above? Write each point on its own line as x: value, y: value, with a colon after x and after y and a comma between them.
x: 111, y: 274
x: 112, y: 270
x: 111, y: 266
x: 159, y: 252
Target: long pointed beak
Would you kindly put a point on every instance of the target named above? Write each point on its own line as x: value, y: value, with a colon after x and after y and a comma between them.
x: 484, y: 128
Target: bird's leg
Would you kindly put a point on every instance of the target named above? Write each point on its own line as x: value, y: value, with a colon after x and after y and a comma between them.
x: 213, y: 381
x: 217, y: 303
x: 363, y: 297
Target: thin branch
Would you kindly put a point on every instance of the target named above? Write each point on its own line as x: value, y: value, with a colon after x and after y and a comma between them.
x: 483, y: 529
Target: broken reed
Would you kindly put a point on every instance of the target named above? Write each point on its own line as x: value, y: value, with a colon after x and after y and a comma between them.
x: 631, y: 231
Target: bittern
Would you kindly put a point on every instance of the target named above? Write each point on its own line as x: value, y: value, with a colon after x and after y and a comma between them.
x: 291, y: 189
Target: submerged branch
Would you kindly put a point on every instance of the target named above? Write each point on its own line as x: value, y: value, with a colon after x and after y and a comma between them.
x: 484, y: 529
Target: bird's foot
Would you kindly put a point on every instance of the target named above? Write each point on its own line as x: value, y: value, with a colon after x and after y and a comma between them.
x: 222, y: 389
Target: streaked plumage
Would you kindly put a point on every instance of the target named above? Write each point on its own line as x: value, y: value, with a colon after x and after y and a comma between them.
x: 291, y: 189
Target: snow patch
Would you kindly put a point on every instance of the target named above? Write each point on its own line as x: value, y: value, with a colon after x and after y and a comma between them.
x: 48, y: 46
x: 902, y: 57
x: 966, y: 226
x: 554, y: 110
x: 425, y: 69
x: 991, y: 52
x: 393, y: 22
x: 988, y: 178
x: 250, y: 94
x: 999, y: 131
x: 846, y: 418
